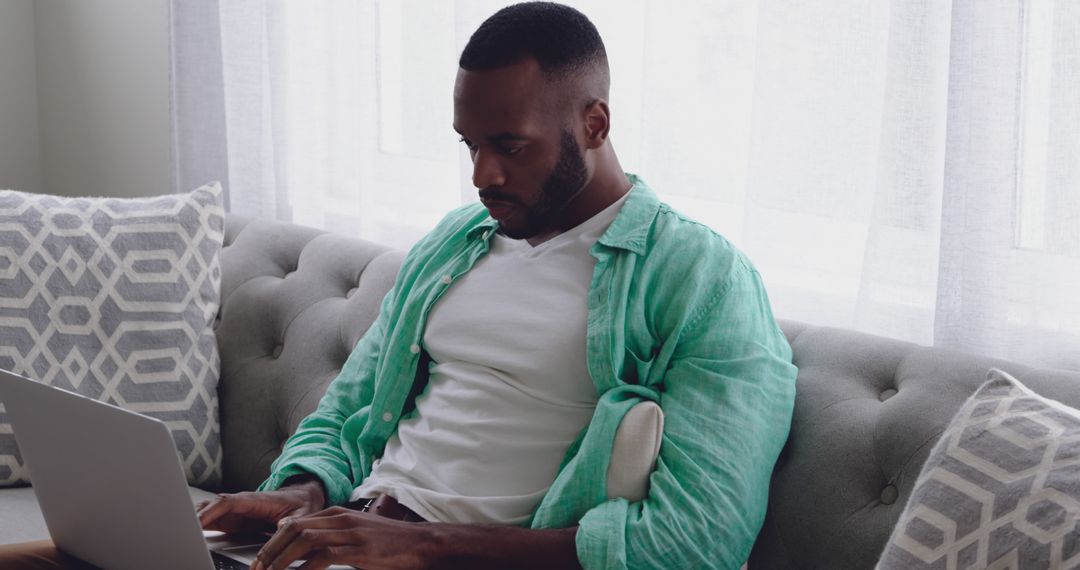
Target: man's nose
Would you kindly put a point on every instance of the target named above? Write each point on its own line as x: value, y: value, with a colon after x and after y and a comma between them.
x: 487, y: 171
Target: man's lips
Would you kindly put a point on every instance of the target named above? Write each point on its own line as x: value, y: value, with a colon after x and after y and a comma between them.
x: 499, y: 209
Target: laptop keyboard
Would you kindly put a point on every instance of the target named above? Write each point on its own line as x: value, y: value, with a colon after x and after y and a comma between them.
x: 222, y: 562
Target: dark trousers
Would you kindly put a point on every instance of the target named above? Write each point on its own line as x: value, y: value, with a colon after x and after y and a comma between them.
x: 40, y: 555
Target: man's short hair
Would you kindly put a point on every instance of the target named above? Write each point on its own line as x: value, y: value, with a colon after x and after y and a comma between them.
x: 561, y: 39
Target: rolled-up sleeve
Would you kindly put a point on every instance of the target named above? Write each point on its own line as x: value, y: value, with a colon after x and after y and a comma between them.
x: 727, y: 397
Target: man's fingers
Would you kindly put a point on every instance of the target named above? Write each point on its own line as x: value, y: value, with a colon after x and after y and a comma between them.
x: 237, y: 504
x: 209, y: 511
x: 287, y: 530
x: 329, y: 527
x: 332, y: 555
x: 307, y: 544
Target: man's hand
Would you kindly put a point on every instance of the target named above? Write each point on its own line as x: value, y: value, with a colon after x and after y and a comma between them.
x: 342, y: 536
x: 261, y: 511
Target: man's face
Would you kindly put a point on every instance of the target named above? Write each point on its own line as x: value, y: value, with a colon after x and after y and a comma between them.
x: 527, y: 164
x: 536, y: 214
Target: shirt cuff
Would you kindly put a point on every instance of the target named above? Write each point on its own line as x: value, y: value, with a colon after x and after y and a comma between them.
x: 338, y: 487
x: 601, y: 536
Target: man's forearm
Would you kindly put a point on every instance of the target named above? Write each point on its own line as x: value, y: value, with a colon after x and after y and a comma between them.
x: 311, y: 484
x: 481, y: 547
x: 497, y: 547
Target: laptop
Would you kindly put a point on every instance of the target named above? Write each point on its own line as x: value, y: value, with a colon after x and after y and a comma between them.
x: 110, y: 484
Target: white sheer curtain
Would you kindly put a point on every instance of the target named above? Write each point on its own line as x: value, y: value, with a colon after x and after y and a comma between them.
x: 907, y: 168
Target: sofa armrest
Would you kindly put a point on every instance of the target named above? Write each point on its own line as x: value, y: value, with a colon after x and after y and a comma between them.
x: 633, y: 455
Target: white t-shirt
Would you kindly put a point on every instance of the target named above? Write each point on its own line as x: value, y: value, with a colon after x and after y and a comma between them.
x: 509, y: 389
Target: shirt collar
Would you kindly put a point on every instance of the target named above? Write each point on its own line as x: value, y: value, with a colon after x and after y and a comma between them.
x: 629, y: 229
x: 484, y: 229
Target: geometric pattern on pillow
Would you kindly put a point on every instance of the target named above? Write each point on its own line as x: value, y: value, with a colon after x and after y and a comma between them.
x: 115, y: 299
x: 1001, y: 488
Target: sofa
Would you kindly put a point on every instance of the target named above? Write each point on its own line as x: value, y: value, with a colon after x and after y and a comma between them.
x: 295, y: 300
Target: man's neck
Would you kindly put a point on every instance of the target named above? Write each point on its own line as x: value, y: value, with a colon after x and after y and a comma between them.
x: 595, y: 198
x: 607, y: 185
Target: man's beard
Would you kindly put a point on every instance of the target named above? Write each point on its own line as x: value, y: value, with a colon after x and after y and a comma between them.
x: 564, y: 183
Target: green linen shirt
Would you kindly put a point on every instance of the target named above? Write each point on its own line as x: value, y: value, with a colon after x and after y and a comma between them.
x: 676, y: 315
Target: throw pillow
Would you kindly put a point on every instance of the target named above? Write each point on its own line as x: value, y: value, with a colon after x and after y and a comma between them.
x: 1001, y: 488
x: 115, y: 299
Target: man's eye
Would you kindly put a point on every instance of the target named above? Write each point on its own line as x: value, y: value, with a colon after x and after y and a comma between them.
x: 510, y: 150
x: 468, y: 143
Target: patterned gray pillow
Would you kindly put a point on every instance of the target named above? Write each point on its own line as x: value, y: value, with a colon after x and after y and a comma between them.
x: 1001, y: 489
x: 115, y: 299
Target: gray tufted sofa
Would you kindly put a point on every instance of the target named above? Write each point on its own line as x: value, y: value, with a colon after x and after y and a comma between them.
x: 295, y: 300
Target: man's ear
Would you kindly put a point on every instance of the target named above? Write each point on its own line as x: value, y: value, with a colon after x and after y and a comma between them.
x: 597, y: 123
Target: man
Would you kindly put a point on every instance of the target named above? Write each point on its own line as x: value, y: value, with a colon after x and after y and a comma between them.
x: 536, y: 319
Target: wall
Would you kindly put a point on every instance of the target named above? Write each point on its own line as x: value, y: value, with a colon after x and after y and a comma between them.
x: 20, y: 165
x: 103, y: 96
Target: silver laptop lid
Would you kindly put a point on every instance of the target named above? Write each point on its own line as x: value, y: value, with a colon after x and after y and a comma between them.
x: 109, y: 481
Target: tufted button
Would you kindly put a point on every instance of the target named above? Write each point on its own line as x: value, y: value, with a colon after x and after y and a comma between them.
x: 889, y: 495
x: 415, y: 349
x: 446, y: 279
x: 886, y: 394
x: 277, y: 351
x: 351, y: 292
x: 387, y: 416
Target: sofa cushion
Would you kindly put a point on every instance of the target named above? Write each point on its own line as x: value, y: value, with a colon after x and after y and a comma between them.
x: 114, y: 299
x: 1001, y: 487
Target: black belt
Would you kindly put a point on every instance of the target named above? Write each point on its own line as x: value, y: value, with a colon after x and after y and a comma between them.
x: 387, y: 507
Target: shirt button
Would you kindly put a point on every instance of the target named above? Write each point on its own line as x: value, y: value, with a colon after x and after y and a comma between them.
x: 387, y: 417
x: 415, y: 349
x: 446, y: 279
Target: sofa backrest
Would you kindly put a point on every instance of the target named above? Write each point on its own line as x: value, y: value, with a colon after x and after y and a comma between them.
x: 868, y: 410
x: 295, y: 301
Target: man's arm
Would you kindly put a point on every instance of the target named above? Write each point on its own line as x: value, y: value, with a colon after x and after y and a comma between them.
x: 260, y: 511
x: 727, y: 396
x: 497, y: 547
x: 342, y: 536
